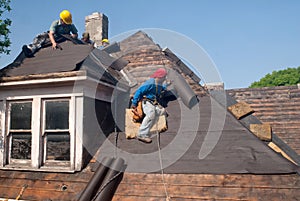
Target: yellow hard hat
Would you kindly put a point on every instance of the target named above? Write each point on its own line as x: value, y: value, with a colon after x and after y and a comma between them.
x: 105, y: 40
x: 66, y: 16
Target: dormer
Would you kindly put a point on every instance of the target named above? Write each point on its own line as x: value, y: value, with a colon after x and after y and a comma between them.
x: 55, y: 107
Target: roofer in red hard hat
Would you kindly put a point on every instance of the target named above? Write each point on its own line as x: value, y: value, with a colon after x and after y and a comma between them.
x: 149, y: 93
x: 58, y: 27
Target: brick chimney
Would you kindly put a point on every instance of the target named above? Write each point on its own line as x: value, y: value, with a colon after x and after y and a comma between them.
x: 96, y: 25
x: 215, y: 86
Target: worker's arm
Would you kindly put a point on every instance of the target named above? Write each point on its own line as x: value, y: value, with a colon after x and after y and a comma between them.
x: 51, y: 36
x: 74, y: 35
x: 74, y: 31
x: 144, y: 89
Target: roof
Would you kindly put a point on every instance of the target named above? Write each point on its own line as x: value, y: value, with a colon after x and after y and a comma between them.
x: 236, y: 149
x: 72, y: 57
x: 277, y: 106
x: 238, y: 167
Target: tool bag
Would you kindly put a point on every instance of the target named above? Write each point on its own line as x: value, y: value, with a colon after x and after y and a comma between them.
x: 138, y: 113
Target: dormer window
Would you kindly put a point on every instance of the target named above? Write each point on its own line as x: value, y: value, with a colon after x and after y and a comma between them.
x: 19, y: 131
x: 39, y: 133
x: 56, y: 134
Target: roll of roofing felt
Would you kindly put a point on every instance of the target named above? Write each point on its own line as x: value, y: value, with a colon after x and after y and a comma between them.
x: 182, y: 88
x: 96, y: 181
x: 111, y: 181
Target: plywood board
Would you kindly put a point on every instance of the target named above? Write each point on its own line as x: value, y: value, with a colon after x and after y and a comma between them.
x: 262, y: 131
x: 132, y: 128
x: 241, y: 109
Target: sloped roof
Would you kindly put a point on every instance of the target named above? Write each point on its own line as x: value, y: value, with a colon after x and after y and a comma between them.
x: 72, y: 57
x: 48, y: 60
x: 277, y: 106
x: 236, y: 149
x: 135, y: 42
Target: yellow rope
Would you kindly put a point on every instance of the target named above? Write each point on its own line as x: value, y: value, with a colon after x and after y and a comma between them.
x: 21, y: 192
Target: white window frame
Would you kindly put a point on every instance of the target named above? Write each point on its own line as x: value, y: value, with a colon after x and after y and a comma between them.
x: 38, y: 129
x: 8, y: 136
x: 46, y: 162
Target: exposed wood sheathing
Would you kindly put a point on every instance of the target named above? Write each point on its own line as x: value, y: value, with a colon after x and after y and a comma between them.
x: 278, y: 106
x: 43, y: 186
x: 140, y: 187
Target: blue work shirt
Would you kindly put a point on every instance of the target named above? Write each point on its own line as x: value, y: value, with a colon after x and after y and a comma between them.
x: 149, y: 90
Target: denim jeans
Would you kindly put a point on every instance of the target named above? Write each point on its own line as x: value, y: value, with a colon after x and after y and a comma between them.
x: 152, y: 112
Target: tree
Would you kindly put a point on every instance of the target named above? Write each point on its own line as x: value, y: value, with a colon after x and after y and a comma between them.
x: 4, y: 27
x: 287, y: 77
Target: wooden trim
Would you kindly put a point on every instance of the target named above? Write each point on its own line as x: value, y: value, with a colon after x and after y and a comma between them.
x: 78, y: 133
x: 286, y: 149
x: 72, y: 117
x: 278, y: 150
x: 43, y: 96
x: 139, y: 186
x: 35, y: 133
x: 43, y: 76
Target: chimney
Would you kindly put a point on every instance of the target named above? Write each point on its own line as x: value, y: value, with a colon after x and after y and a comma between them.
x: 215, y: 86
x: 96, y: 25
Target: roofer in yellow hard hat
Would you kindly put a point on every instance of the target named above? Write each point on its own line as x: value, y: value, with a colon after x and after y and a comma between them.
x: 105, y: 42
x: 58, y: 27
x: 66, y: 16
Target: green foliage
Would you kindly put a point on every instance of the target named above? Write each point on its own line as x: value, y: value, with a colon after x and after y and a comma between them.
x: 287, y: 77
x: 4, y: 27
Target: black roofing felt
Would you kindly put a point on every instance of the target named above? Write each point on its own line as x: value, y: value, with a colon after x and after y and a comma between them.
x: 204, y: 139
x: 106, y: 68
x: 72, y: 57
x: 48, y: 60
x: 186, y: 145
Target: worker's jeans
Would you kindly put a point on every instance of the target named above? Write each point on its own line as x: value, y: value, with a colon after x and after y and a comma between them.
x: 42, y: 40
x: 152, y: 112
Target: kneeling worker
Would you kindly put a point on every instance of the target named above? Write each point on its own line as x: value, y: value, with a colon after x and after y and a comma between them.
x: 58, y: 27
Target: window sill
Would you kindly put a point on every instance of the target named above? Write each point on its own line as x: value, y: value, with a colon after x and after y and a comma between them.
x: 41, y: 169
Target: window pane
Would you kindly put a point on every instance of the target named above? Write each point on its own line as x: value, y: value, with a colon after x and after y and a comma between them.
x: 21, y: 146
x: 57, y: 115
x: 58, y: 146
x: 20, y: 115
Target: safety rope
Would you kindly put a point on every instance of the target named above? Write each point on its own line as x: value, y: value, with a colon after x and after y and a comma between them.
x: 116, y: 130
x: 116, y: 143
x: 168, y: 198
x: 22, y: 191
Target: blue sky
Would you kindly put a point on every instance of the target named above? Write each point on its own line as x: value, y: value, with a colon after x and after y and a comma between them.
x: 246, y: 39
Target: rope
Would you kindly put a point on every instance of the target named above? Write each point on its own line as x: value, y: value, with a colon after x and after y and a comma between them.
x: 116, y: 130
x: 168, y: 198
x: 116, y: 143
x: 22, y: 191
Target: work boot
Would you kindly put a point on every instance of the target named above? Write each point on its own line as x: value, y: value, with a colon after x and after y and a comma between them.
x: 27, y: 51
x: 144, y: 139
